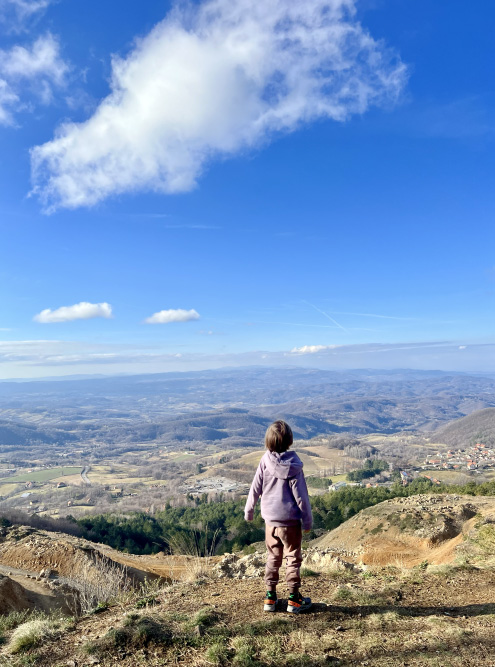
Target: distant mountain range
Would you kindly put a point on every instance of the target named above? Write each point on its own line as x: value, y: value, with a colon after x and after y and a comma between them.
x: 235, y: 406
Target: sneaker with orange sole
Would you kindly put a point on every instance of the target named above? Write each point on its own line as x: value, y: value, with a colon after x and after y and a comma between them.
x: 297, y: 603
x: 270, y: 602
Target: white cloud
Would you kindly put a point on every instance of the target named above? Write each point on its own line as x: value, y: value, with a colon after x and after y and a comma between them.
x: 208, y: 82
x: 41, y: 59
x: 312, y: 349
x: 32, y: 70
x: 22, y: 10
x: 79, y: 311
x: 168, y: 316
x: 52, y: 353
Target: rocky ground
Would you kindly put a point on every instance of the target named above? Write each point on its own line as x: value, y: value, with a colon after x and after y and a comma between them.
x: 422, y: 617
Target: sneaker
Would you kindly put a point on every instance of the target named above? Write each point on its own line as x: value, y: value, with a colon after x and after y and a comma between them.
x: 296, y: 603
x: 270, y: 602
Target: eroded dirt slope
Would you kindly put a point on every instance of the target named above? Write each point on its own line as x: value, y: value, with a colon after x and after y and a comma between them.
x: 407, y: 531
x: 29, y: 551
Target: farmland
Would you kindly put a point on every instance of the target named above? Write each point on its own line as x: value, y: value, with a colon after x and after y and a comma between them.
x: 45, y: 475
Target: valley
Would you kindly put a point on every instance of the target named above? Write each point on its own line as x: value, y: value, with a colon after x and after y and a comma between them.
x: 139, y: 442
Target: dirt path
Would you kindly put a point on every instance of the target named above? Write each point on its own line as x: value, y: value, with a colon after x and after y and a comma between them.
x: 167, y: 567
x: 84, y: 475
x: 36, y: 594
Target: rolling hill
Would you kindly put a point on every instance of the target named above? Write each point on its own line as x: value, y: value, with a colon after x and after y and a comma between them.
x: 467, y: 431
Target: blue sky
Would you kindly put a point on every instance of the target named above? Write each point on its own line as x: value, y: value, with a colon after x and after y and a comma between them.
x: 233, y: 183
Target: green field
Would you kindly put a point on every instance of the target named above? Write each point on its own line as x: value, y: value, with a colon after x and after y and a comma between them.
x: 42, y: 475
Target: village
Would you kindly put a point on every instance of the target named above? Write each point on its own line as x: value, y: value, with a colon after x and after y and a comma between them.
x: 476, y: 458
x: 473, y: 458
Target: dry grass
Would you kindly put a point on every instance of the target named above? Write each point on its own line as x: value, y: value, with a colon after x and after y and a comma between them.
x: 98, y: 584
x: 198, y: 544
x: 33, y: 633
x: 222, y: 624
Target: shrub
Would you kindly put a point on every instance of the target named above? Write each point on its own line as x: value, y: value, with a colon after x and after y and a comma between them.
x: 13, y: 619
x: 377, y: 529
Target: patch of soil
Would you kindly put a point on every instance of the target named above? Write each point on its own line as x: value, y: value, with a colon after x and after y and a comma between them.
x: 12, y: 596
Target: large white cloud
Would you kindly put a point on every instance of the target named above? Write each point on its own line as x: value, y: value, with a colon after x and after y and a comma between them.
x: 209, y: 82
x: 29, y: 70
x: 79, y: 311
x: 172, y: 315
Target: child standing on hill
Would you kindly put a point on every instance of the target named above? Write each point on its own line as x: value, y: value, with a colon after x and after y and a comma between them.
x: 279, y: 480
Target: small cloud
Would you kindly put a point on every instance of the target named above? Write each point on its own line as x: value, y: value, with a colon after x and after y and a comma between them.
x: 41, y: 59
x: 17, y: 14
x: 32, y: 70
x: 206, y: 333
x: 168, y: 316
x: 312, y: 349
x: 462, y: 347
x: 79, y: 311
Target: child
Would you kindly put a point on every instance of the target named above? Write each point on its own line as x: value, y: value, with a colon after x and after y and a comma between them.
x: 279, y: 480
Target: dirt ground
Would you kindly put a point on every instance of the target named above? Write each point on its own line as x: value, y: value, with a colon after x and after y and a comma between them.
x: 19, y: 593
x: 386, y: 617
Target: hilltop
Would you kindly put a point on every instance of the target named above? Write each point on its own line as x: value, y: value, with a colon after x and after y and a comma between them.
x: 372, y: 611
x: 388, y: 617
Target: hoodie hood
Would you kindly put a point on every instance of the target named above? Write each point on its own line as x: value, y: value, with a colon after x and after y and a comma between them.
x: 283, y: 466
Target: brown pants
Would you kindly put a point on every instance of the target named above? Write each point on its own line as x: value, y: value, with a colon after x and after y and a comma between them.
x: 283, y: 542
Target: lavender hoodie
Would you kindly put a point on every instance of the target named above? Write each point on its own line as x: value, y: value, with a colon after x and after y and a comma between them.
x: 279, y: 480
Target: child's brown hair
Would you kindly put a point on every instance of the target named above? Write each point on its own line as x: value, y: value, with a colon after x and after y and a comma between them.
x: 278, y: 437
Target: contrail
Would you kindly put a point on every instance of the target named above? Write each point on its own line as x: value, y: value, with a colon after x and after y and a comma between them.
x: 327, y: 316
x: 384, y: 317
